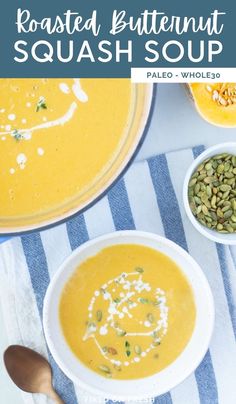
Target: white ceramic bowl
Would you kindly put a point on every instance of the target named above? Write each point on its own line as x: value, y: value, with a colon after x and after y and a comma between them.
x: 150, y: 386
x: 211, y: 234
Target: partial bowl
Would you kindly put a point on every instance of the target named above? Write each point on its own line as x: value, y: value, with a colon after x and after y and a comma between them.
x: 214, y: 235
x: 158, y: 383
x: 136, y: 128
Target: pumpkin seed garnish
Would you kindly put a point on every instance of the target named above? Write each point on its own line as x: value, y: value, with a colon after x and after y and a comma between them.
x: 99, y: 315
x: 116, y: 300
x: 143, y: 301
x: 105, y: 369
x: 150, y: 317
x: 138, y: 349
x: 139, y: 270
x: 212, y: 193
x: 120, y: 333
x: 128, y: 353
x: 17, y: 135
x: 41, y: 104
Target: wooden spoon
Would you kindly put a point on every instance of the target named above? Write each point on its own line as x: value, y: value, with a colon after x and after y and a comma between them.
x: 30, y: 371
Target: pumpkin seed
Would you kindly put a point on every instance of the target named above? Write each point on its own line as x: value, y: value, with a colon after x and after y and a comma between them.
x: 229, y: 228
x: 213, y: 215
x: 197, y: 188
x: 225, y: 188
x: 150, y: 317
x: 200, y: 167
x: 208, y: 166
x: 139, y: 270
x: 225, y: 208
x: 120, y: 333
x: 205, y: 210
x: 198, y: 209
x: 209, y: 180
x: 227, y: 166
x: 99, y: 315
x: 143, y: 301
x: 220, y: 168
x: 231, y: 181
x: 225, y: 195
x: 104, y: 369
x: 208, y: 190
x: 138, y: 349
x: 156, y: 342
x: 192, y: 182
x: 220, y: 213
x: 213, y: 202
x: 116, y: 300
x: 229, y: 175
x: 228, y: 214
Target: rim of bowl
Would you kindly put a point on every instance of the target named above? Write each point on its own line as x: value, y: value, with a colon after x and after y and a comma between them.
x: 190, y: 365
x: 212, y: 235
x: 144, y: 127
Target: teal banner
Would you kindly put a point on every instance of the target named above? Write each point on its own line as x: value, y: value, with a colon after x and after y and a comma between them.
x: 107, y: 38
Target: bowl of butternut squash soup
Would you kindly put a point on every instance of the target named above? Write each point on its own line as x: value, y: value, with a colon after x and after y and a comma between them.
x: 128, y: 315
x: 63, y: 142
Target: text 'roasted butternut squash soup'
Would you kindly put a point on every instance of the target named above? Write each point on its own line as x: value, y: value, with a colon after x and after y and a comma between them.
x: 59, y: 138
x: 127, y: 312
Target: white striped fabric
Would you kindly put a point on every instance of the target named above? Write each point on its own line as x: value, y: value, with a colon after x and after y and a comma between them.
x: 148, y: 198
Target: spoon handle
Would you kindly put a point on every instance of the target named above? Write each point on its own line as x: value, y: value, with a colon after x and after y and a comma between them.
x: 55, y: 397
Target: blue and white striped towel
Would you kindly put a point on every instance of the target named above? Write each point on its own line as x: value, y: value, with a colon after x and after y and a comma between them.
x: 148, y: 198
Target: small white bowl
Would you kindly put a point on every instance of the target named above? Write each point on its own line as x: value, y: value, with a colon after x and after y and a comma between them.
x: 213, y: 235
x: 158, y: 383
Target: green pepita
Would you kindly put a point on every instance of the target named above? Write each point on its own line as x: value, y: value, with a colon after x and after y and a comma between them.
x: 104, y: 369
x: 120, y: 333
x: 150, y: 317
x: 99, y: 315
x: 225, y: 188
x: 138, y: 349
x: 139, y: 270
x: 143, y: 301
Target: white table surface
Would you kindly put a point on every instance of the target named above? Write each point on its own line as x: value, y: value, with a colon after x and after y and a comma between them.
x: 175, y: 125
